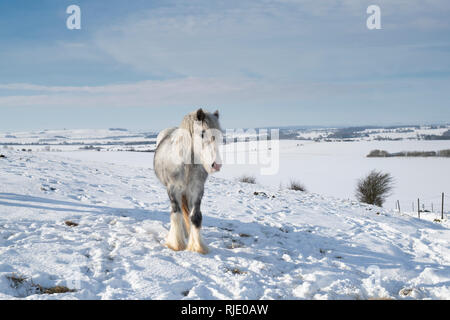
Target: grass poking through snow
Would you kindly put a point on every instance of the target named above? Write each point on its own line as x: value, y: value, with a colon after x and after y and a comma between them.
x: 247, y: 179
x: 71, y: 223
x: 26, y: 287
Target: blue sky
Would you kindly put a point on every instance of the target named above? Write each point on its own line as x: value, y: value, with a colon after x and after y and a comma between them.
x: 143, y: 64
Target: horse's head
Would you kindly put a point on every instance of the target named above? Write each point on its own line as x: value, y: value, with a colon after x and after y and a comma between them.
x: 206, y: 137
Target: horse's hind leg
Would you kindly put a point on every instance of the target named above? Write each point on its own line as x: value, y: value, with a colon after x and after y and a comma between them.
x: 176, y: 237
x: 186, y: 215
x: 196, y: 243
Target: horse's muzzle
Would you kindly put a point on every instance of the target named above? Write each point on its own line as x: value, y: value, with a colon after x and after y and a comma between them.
x: 216, y: 166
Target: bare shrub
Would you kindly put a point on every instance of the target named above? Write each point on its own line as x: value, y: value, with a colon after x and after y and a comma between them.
x: 374, y: 188
x: 296, y: 186
x: 16, y: 280
x: 248, y: 179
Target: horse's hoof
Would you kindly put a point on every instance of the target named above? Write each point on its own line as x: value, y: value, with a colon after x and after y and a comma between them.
x: 202, y: 249
x: 176, y: 247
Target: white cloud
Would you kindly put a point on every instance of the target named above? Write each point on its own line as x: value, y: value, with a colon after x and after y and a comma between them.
x: 263, y: 51
x: 207, y: 92
x: 188, y: 91
x: 274, y: 39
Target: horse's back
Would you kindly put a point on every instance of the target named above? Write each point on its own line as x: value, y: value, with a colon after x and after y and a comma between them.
x: 163, y: 134
x: 162, y: 163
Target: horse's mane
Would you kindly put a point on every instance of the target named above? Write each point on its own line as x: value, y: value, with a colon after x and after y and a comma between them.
x: 182, y: 137
x: 212, y: 121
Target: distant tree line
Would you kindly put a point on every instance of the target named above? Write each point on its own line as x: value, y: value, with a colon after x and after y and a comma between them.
x: 384, y: 154
x: 444, y: 136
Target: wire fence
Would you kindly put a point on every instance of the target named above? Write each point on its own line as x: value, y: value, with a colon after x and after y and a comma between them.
x: 432, y: 204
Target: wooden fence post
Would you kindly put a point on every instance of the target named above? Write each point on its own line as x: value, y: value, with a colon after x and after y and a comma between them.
x: 418, y: 207
x: 442, y: 208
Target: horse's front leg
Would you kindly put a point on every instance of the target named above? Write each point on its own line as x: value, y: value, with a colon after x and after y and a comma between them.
x: 196, y: 243
x: 176, y: 238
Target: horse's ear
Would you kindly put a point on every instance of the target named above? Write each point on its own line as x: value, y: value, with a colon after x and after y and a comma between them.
x: 216, y: 113
x: 200, y: 115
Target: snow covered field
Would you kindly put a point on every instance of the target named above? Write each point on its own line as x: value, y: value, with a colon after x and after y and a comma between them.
x: 330, y: 168
x: 333, y: 168
x: 266, y: 243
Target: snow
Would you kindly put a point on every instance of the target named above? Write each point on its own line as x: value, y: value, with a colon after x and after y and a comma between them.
x: 333, y: 168
x: 405, y: 132
x: 76, y: 139
x: 329, y: 168
x: 272, y: 244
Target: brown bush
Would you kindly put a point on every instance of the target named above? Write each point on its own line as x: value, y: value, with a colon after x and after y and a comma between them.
x: 374, y: 188
x: 247, y: 179
x: 296, y: 186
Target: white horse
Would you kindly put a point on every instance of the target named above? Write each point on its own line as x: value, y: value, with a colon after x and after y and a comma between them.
x: 183, y: 159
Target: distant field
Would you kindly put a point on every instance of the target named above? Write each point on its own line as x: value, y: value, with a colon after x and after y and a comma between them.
x: 329, y: 168
x: 332, y: 168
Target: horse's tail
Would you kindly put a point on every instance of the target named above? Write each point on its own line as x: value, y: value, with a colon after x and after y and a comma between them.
x: 185, y: 209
